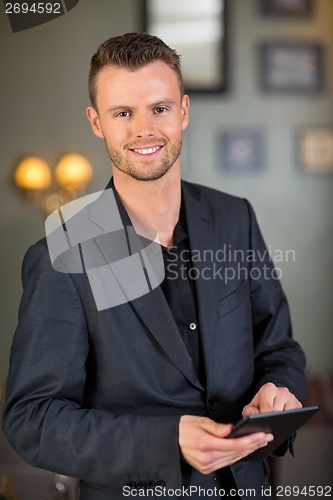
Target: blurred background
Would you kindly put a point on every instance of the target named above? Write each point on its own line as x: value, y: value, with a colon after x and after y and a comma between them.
x: 261, y: 127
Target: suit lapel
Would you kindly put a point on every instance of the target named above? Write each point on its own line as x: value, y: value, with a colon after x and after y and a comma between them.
x: 155, y: 312
x: 152, y: 308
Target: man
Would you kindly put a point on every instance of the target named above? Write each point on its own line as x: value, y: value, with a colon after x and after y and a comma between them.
x: 139, y: 397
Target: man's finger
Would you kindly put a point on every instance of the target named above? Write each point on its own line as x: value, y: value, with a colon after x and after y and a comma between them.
x: 250, y: 410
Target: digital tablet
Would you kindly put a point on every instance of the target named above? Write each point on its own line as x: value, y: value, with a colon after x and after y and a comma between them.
x: 282, y: 424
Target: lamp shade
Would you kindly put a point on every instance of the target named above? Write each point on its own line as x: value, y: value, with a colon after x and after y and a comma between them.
x: 33, y: 173
x: 73, y: 171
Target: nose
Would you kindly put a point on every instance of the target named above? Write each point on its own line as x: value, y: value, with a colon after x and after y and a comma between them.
x: 144, y: 126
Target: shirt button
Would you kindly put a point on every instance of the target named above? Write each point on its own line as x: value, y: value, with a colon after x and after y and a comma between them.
x: 192, y: 326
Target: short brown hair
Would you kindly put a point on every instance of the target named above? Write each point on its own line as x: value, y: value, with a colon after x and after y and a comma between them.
x: 132, y: 51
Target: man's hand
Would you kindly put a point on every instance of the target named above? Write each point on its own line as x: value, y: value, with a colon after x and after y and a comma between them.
x: 271, y: 398
x: 203, y: 443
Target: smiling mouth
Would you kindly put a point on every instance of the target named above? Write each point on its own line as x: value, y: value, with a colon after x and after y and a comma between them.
x: 146, y: 151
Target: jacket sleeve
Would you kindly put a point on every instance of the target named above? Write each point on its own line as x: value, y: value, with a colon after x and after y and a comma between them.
x: 45, y: 418
x: 278, y: 357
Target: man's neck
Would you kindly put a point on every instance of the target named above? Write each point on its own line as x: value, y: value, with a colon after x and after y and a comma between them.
x: 152, y: 204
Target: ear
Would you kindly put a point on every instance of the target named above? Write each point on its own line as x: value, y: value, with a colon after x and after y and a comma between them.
x: 185, y: 106
x: 94, y: 121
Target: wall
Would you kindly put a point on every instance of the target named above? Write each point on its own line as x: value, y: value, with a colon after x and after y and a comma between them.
x: 43, y: 100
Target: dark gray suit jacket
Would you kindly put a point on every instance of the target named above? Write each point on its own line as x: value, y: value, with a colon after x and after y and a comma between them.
x: 98, y: 394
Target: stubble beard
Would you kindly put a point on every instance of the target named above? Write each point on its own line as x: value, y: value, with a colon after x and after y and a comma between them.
x: 128, y: 167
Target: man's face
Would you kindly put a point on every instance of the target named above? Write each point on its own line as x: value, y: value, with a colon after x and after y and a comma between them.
x: 141, y: 116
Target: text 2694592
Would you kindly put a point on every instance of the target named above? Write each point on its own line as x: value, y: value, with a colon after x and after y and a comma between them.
x: 34, y: 8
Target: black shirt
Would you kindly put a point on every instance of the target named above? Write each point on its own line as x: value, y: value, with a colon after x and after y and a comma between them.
x: 179, y: 289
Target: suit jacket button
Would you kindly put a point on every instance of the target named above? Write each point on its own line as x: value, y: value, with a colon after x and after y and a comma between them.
x: 160, y: 483
x: 132, y: 485
x: 213, y: 404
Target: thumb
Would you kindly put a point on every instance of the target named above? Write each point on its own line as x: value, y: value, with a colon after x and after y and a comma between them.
x: 217, y: 430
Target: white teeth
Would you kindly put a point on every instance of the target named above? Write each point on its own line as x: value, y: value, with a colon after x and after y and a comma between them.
x: 147, y: 151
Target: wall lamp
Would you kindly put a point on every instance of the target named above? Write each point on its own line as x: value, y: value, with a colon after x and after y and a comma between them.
x: 49, y: 190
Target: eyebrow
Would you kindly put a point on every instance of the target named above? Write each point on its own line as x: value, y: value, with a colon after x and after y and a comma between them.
x: 167, y: 102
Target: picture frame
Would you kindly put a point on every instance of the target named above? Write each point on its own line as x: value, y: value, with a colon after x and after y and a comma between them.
x: 242, y: 151
x: 197, y: 30
x: 286, y: 8
x: 315, y: 149
x: 291, y: 67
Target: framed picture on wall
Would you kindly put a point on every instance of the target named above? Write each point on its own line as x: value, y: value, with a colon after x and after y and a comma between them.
x: 286, y: 8
x: 291, y: 66
x: 196, y: 29
x: 315, y: 149
x: 242, y: 150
